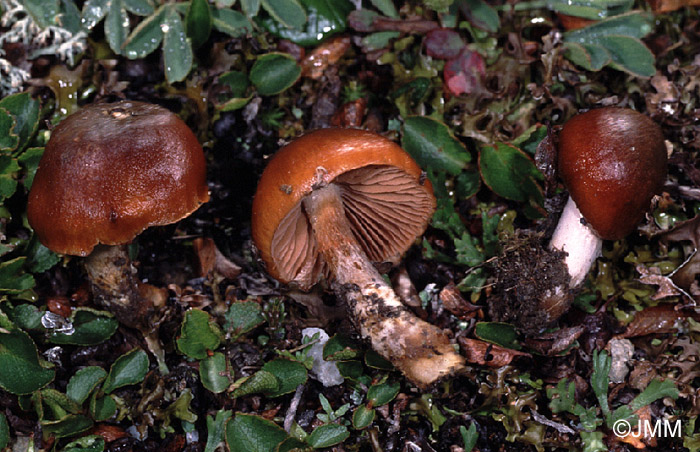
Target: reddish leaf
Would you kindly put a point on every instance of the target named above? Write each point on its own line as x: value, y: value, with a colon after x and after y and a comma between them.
x: 443, y: 43
x: 487, y: 354
x: 656, y: 319
x: 327, y: 54
x: 463, y: 74
x: 350, y: 114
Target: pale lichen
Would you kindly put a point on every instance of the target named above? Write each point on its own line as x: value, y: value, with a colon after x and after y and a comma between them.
x: 52, y: 39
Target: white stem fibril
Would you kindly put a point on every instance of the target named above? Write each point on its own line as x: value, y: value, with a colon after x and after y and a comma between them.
x: 575, y: 237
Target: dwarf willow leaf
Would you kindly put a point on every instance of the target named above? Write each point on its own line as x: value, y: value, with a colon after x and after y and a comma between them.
x: 128, y: 369
x: 327, y: 435
x: 198, y: 334
x: 84, y: 382
x: 273, y: 73
x: 177, y: 48
x: 20, y: 369
x: 250, y: 433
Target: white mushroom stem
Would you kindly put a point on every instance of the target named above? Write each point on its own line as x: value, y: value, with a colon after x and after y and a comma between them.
x: 574, y: 236
x: 421, y: 351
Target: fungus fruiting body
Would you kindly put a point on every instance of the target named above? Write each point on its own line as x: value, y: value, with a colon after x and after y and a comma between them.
x: 612, y: 161
x: 330, y: 204
x: 109, y: 172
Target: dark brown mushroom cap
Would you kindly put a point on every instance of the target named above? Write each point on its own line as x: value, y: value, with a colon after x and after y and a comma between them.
x: 112, y: 170
x: 613, y: 161
x: 387, y: 199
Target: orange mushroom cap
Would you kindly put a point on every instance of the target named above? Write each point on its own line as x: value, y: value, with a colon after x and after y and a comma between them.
x: 386, y: 196
x: 112, y: 170
x: 613, y: 161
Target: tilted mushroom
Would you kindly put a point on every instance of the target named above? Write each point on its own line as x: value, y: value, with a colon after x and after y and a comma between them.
x: 329, y: 204
x: 109, y: 172
x: 612, y: 160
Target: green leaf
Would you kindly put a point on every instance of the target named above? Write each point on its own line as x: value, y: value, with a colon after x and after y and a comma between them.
x: 146, y: 37
x: 29, y: 159
x: 138, y: 7
x: 325, y: 18
x: 20, y: 369
x: 102, y: 408
x: 481, y: 14
x: 260, y: 381
x: 381, y: 394
x: 4, y: 432
x: 231, y: 22
x: 363, y: 417
x: 70, y: 17
x: 633, y: 24
x: 27, y: 317
x: 510, y: 173
x: 433, y: 146
x: 327, y: 435
x: 599, y: 379
x: 198, y: 22
x: 92, y: 327
x: 212, y: 373
x: 377, y: 361
x: 469, y: 437
x: 242, y: 317
x: 116, y: 26
x: 177, y: 48
x: 180, y: 408
x: 386, y: 7
x: 89, y: 443
x: 128, y: 369
x: 352, y: 370
x: 216, y: 430
x: 25, y: 111
x: 93, y: 12
x: 292, y: 444
x: 591, y: 9
x: 502, y: 334
x: 273, y: 73
x: 290, y: 13
x: 84, y: 382
x: 340, y: 348
x: 39, y: 258
x: 588, y: 56
x: 198, y: 334
x: 379, y: 40
x: 250, y: 7
x: 562, y: 397
x: 8, y: 140
x: 67, y: 426
x: 629, y: 55
x: 12, y: 277
x: 8, y: 176
x: 250, y: 433
x: 657, y: 389
x: 44, y: 12
x: 289, y: 374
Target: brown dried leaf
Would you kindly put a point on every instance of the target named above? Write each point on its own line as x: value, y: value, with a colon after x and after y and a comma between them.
x: 664, y: 6
x: 108, y: 432
x: 654, y: 320
x: 415, y: 26
x: 689, y: 230
x: 453, y: 301
x: 652, y: 275
x: 487, y: 354
x: 553, y: 343
x: 211, y: 260
x: 326, y: 54
x: 350, y: 114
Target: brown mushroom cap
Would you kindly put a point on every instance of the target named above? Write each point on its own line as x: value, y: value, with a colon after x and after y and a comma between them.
x: 613, y: 161
x: 112, y: 170
x: 387, y: 199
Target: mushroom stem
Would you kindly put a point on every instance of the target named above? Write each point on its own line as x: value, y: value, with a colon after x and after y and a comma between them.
x: 575, y: 237
x: 418, y: 349
x: 115, y: 284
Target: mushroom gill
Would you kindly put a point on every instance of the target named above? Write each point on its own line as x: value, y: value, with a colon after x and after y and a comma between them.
x: 384, y: 207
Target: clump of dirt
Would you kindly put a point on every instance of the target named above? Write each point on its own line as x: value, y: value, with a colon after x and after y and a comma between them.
x: 532, y: 281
